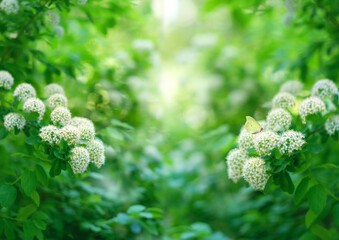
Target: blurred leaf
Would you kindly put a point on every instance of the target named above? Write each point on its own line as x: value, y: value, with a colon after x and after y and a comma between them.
x: 317, y: 198
x: 7, y: 195
x: 301, y: 190
x: 28, y: 182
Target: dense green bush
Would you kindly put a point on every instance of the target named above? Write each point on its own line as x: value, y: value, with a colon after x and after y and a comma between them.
x: 160, y: 106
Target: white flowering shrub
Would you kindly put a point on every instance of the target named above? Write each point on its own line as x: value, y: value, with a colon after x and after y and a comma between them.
x: 9, y: 6
x: 279, y: 147
x: 63, y: 138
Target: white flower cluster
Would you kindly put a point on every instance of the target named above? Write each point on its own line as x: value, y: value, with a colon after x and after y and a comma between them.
x: 292, y: 87
x: 310, y: 106
x: 79, y: 160
x: 50, y: 134
x: 9, y: 6
x: 96, y: 152
x: 52, y: 18
x: 276, y: 133
x: 332, y: 124
x: 54, y: 88
x: 6, y: 80
x: 245, y: 140
x: 35, y: 105
x: 279, y: 119
x: 284, y: 100
x: 143, y: 45
x: 12, y: 120
x: 70, y: 134
x: 24, y: 91
x: 324, y: 88
x: 291, y: 141
x: 59, y: 31
x: 255, y: 173
x: 265, y: 142
x: 60, y: 116
x: 57, y: 100
x: 236, y: 159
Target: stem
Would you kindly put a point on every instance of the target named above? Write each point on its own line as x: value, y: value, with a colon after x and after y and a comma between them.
x: 17, y: 180
x: 314, y: 131
x: 10, y: 218
x: 25, y: 27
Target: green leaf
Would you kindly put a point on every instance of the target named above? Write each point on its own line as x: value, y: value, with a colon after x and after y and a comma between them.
x: 136, y: 209
x: 9, y: 231
x: 28, y: 182
x: 307, y: 236
x: 321, y: 232
x: 56, y: 168
x: 309, y: 218
x: 41, y: 175
x: 336, y: 213
x: 26, y: 211
x: 3, y: 133
x: 36, y: 198
x: 7, y: 195
x: 317, y: 198
x: 301, y: 190
x: 32, y: 140
x: 286, y: 183
x: 315, y: 148
x: 39, y: 224
x: 29, y: 229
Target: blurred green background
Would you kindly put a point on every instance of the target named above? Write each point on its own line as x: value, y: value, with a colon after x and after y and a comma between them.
x: 168, y: 84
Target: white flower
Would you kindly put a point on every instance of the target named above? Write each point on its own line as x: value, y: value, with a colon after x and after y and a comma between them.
x: 52, y: 18
x: 35, y: 105
x: 61, y: 116
x: 246, y: 140
x: 87, y: 132
x: 309, y: 106
x: 279, y: 119
x: 57, y: 100
x: 6, y: 80
x: 9, y: 6
x: 50, y: 134
x: 79, y: 160
x: 284, y: 100
x: 24, y: 91
x: 255, y: 173
x: 70, y: 134
x: 12, y: 120
x: 324, y: 87
x: 53, y: 88
x: 291, y: 141
x: 265, y: 142
x: 96, y: 152
x: 77, y: 121
x: 59, y: 31
x: 292, y: 87
x: 82, y: 2
x: 235, y: 162
x: 332, y: 124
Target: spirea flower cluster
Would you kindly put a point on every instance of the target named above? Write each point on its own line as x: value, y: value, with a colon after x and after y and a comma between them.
x: 6, y: 80
x: 12, y: 120
x: 35, y: 105
x: 57, y: 100
x: 24, y: 91
x: 236, y: 159
x: 332, y: 124
x: 284, y: 100
x: 324, y: 88
x: 292, y: 87
x: 61, y: 129
x: 279, y: 119
x: 82, y: 2
x: 291, y: 141
x: 9, y: 6
x: 255, y: 173
x: 52, y: 18
x: 259, y: 146
x: 310, y: 106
